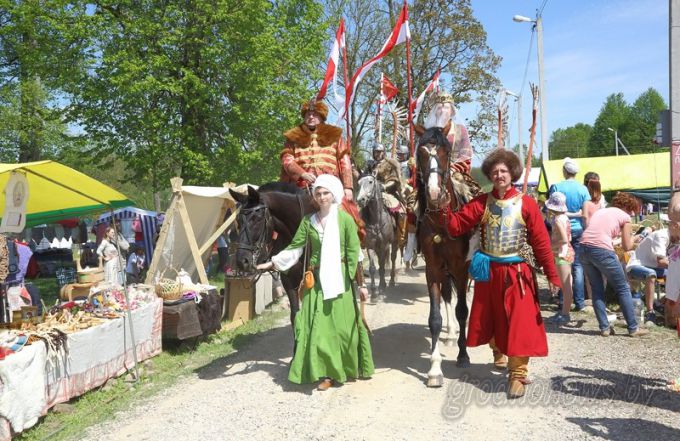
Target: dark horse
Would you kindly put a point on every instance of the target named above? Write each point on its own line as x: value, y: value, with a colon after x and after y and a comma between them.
x: 267, y: 220
x: 381, y: 230
x: 445, y: 256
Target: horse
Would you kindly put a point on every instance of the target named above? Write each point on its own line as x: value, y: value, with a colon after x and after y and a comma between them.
x: 445, y: 256
x: 268, y: 219
x: 381, y: 230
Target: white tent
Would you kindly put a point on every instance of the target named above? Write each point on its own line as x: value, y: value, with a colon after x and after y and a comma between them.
x: 534, y: 175
x: 192, y: 224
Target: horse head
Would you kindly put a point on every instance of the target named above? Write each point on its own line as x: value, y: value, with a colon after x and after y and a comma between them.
x: 433, y: 170
x: 255, y: 230
x: 367, y: 190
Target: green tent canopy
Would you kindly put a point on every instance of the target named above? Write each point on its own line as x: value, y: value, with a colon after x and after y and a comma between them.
x: 57, y: 192
x: 633, y: 173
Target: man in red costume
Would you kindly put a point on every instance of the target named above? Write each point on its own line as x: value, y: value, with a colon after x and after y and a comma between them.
x: 505, y: 310
x: 314, y: 148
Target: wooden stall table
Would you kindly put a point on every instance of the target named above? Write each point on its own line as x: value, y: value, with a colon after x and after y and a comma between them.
x: 183, y: 320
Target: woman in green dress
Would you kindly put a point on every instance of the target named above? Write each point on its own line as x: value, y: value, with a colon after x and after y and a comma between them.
x: 332, y: 343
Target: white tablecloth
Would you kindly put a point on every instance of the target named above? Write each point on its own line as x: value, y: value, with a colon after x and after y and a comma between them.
x: 30, y: 383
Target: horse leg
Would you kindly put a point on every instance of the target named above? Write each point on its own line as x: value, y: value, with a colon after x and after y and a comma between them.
x: 371, y: 270
x: 460, y: 282
x: 394, y: 248
x: 435, y: 377
x: 446, y: 297
x: 382, y: 258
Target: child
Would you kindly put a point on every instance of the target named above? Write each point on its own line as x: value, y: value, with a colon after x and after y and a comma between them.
x: 135, y: 265
x: 563, y: 252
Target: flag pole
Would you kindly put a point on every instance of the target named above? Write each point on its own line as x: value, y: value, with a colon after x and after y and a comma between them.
x: 380, y: 102
x: 408, y: 79
x: 344, y: 65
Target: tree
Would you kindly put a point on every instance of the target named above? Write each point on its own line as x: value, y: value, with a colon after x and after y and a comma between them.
x: 572, y: 141
x: 615, y: 115
x: 445, y: 35
x: 641, y: 124
x: 198, y: 88
x: 42, y: 49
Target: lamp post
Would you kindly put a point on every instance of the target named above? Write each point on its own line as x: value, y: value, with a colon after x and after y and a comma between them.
x: 538, y: 25
x: 518, y: 100
x: 616, y: 139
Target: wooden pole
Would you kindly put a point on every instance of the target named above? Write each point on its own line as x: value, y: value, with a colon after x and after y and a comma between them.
x: 532, y: 137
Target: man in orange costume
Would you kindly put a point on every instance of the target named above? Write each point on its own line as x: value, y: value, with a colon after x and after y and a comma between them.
x: 314, y: 148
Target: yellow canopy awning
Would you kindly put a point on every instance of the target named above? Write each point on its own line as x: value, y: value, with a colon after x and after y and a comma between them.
x: 630, y: 172
x: 57, y: 192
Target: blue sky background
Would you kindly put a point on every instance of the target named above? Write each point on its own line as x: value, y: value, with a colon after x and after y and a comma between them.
x: 591, y: 50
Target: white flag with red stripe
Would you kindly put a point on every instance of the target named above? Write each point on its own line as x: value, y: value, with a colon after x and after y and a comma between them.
x: 332, y: 68
x: 418, y: 104
x: 399, y: 35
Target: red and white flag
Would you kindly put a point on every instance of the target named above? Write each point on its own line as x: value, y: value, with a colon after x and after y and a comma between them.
x: 399, y: 35
x: 387, y: 89
x: 332, y: 68
x: 418, y: 104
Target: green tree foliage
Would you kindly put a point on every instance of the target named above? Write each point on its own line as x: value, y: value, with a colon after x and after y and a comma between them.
x: 41, y: 53
x: 197, y: 88
x: 641, y: 126
x: 445, y: 34
x: 572, y: 141
x: 614, y: 114
x: 635, y: 124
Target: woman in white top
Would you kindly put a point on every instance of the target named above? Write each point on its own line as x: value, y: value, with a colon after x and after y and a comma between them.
x: 113, y: 263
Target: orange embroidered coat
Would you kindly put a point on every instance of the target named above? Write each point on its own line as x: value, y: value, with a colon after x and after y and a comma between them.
x: 318, y: 152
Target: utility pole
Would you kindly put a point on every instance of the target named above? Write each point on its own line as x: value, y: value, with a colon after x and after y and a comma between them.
x: 674, y: 88
x: 541, y: 83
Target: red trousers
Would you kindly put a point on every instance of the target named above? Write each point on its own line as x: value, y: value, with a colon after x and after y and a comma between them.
x: 506, y: 308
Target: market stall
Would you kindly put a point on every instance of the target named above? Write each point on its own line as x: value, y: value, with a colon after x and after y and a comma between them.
x: 50, y: 358
x: 137, y: 225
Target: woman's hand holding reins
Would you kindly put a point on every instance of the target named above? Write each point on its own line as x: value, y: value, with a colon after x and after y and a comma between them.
x: 265, y: 266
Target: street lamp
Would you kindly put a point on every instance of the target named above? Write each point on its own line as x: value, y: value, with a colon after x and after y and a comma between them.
x: 616, y: 139
x: 518, y: 100
x: 538, y: 25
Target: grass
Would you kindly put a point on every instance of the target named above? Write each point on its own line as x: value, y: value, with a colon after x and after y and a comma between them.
x: 161, y: 372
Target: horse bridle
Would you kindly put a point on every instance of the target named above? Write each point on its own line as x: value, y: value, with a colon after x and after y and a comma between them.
x: 444, y: 172
x: 261, y: 246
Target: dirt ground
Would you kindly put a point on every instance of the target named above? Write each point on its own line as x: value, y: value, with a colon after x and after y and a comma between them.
x: 589, y: 387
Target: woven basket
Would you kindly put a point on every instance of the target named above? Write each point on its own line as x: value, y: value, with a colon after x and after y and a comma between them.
x: 168, y: 289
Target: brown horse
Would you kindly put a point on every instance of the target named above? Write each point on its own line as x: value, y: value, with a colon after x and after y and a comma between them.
x: 445, y: 256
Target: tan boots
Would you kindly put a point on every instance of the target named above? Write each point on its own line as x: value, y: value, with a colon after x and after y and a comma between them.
x: 517, y: 376
x: 500, y: 361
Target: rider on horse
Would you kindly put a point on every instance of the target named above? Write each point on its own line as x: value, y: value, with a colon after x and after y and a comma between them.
x: 388, y: 172
x: 314, y: 148
x: 443, y: 112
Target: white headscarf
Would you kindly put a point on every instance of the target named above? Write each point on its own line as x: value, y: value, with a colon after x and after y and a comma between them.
x: 332, y: 280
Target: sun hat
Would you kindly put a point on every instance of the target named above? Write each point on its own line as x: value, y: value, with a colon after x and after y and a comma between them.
x: 557, y: 202
x: 570, y: 166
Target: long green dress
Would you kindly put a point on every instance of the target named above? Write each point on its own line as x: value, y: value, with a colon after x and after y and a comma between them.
x: 331, y: 340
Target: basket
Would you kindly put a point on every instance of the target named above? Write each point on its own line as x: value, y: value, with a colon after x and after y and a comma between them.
x: 168, y: 289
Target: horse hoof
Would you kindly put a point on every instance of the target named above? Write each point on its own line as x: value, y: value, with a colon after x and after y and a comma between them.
x: 392, y: 284
x: 436, y: 381
x: 447, y: 342
x: 374, y: 298
x: 463, y: 363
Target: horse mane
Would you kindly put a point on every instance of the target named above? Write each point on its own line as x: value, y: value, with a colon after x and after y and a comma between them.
x: 282, y: 187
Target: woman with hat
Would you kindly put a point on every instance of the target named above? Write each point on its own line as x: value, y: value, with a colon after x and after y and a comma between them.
x: 563, y: 252
x: 332, y: 343
x: 505, y: 310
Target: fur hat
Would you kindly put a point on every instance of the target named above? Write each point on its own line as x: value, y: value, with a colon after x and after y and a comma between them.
x: 507, y: 157
x: 316, y: 105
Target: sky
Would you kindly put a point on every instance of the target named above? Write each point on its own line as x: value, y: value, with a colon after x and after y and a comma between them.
x: 591, y: 49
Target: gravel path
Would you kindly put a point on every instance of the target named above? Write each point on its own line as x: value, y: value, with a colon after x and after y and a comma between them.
x: 589, y: 387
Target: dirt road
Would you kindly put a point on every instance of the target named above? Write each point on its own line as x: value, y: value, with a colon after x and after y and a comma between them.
x: 589, y: 387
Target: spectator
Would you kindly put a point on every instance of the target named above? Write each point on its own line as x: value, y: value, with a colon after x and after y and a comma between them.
x: 577, y: 195
x: 673, y: 279
x: 599, y: 259
x: 135, y: 265
x: 597, y: 200
x: 563, y: 252
x: 647, y: 263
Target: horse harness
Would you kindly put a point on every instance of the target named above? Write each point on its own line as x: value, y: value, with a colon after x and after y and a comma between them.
x: 445, y: 173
